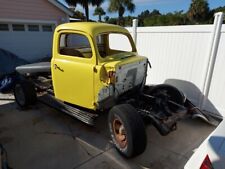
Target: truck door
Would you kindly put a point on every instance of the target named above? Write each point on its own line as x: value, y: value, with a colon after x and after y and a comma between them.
x: 72, y: 69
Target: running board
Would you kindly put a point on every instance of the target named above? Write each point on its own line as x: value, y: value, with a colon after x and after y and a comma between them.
x: 84, y: 116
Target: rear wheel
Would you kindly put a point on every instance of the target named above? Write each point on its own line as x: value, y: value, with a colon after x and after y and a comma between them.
x: 127, y: 130
x: 25, y: 94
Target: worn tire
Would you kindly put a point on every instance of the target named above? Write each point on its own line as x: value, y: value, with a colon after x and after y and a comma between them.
x: 134, y: 129
x: 25, y: 94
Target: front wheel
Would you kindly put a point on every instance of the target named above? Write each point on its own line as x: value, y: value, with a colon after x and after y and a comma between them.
x: 127, y: 130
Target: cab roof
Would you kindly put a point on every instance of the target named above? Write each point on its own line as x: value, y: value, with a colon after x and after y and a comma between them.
x: 92, y: 28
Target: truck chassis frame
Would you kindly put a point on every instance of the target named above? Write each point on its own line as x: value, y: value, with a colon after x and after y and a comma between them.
x: 161, y: 105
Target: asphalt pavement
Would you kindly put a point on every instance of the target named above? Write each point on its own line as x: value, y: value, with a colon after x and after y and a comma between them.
x: 44, y: 138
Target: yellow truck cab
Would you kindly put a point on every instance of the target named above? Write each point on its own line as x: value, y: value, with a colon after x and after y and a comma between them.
x: 89, y: 66
x: 94, y: 69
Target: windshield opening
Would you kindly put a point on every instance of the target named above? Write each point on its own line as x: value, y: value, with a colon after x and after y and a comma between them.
x: 113, y: 43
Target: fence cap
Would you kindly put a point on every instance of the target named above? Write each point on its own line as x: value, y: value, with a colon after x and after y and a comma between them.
x: 219, y: 14
x: 135, y: 21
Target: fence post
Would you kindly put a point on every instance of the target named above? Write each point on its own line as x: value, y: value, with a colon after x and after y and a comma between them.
x: 216, y: 34
x: 135, y: 24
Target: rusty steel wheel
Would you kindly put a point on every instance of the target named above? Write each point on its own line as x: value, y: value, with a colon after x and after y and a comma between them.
x: 119, y: 132
x: 127, y: 130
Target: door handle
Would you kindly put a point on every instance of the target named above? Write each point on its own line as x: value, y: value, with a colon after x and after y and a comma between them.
x: 57, y: 67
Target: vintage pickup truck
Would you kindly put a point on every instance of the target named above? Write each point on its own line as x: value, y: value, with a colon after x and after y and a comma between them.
x: 95, y: 68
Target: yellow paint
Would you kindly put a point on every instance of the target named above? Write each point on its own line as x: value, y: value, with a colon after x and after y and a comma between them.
x: 82, y: 78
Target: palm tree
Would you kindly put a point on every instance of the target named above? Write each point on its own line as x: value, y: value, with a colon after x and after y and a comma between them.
x: 106, y: 18
x: 99, y: 11
x: 198, y: 11
x: 85, y: 4
x: 72, y: 3
x: 79, y: 15
x: 121, y: 6
x: 97, y: 2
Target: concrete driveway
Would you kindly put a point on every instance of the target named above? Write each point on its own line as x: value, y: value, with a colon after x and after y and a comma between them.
x: 43, y: 138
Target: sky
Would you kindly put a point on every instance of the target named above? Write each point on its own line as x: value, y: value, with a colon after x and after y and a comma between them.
x: 164, y: 6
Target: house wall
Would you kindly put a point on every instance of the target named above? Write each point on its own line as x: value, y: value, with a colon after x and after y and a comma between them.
x: 31, y: 10
x: 179, y: 56
x: 27, y: 44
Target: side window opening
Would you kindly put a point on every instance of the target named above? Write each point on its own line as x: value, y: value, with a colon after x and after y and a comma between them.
x: 75, y: 45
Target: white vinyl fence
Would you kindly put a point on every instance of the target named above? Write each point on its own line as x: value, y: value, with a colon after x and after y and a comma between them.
x: 183, y: 56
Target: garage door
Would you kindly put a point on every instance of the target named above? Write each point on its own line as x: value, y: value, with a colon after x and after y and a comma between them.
x: 28, y: 41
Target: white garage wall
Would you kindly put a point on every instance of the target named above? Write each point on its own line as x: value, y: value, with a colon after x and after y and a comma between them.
x: 29, y: 46
x: 179, y: 55
x: 26, y: 44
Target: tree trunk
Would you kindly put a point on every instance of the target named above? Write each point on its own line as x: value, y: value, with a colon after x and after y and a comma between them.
x: 121, y: 12
x: 100, y: 18
x: 87, y: 12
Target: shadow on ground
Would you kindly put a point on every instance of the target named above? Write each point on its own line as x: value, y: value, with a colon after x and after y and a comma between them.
x: 42, y: 137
